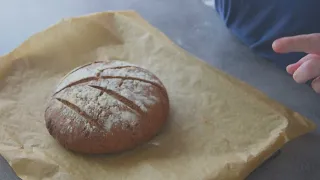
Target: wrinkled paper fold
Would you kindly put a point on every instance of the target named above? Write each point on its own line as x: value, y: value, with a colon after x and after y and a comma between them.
x: 219, y: 128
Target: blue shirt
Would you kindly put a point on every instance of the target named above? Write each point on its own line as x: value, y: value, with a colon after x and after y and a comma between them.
x: 257, y: 23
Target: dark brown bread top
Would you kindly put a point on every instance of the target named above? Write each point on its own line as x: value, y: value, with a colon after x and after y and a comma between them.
x: 102, y: 98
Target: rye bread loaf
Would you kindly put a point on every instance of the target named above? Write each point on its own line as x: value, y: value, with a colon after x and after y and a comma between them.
x: 107, y: 107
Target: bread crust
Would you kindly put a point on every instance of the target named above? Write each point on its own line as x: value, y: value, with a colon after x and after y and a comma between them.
x: 107, y: 107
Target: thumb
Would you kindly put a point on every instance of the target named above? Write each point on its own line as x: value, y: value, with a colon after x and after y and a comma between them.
x: 308, y: 43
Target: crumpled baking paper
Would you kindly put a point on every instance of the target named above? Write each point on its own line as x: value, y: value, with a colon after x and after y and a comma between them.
x: 219, y: 128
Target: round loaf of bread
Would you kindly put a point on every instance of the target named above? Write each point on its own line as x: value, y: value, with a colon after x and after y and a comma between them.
x: 107, y: 107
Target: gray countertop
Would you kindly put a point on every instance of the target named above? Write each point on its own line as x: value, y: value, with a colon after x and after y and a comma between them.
x: 196, y: 28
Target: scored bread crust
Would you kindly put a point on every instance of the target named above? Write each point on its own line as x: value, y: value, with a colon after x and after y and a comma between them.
x: 107, y: 107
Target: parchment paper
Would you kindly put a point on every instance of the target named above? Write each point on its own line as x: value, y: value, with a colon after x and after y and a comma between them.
x: 219, y: 127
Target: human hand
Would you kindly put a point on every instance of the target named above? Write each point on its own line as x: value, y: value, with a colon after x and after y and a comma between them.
x: 308, y: 67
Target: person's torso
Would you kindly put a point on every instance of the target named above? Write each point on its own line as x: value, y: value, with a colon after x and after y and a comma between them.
x: 257, y: 23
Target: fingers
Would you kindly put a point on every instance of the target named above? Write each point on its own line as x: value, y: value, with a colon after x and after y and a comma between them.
x: 309, y: 43
x: 316, y: 85
x: 308, y: 70
x: 308, y: 67
x: 293, y: 67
